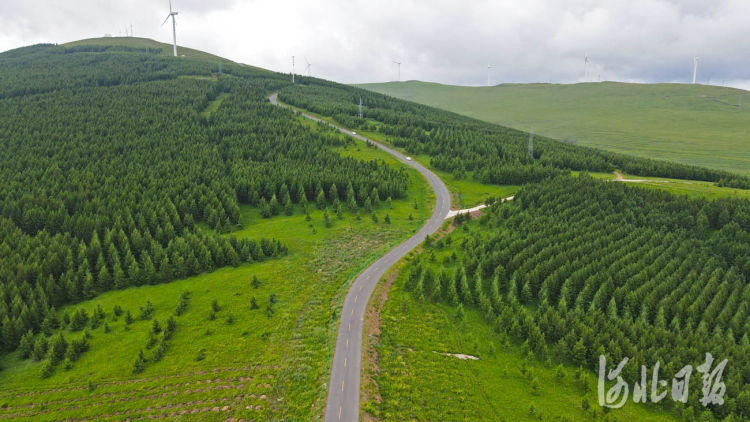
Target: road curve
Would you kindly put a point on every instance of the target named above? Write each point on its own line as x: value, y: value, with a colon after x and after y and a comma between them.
x: 343, y: 390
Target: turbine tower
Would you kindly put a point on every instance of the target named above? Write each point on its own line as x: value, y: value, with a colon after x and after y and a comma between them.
x: 131, y: 29
x: 309, y: 65
x: 399, y: 69
x: 531, y: 143
x: 585, y: 62
x: 360, y: 107
x: 174, y: 26
x: 292, y: 69
x: 695, y: 68
x: 488, y: 74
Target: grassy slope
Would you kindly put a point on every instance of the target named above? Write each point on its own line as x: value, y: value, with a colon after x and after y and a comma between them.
x: 283, y: 356
x: 693, y: 124
x: 415, y: 383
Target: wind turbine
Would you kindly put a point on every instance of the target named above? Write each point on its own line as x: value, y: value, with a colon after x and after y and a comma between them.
x: 174, y: 26
x: 292, y: 69
x: 585, y: 62
x: 488, y: 74
x: 399, y: 70
x: 309, y: 65
x: 695, y: 68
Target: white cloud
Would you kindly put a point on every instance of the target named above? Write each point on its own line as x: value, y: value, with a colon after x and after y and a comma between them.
x: 442, y: 41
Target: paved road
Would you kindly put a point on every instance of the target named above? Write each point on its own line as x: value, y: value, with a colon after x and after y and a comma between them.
x: 343, y: 390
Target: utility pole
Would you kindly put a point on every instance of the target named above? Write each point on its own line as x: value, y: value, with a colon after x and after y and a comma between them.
x: 531, y: 143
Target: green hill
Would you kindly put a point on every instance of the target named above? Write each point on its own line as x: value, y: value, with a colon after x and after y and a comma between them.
x: 144, y: 43
x: 693, y: 124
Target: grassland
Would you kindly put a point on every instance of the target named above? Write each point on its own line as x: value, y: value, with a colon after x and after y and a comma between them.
x: 416, y: 380
x: 253, y: 367
x: 693, y: 188
x: 693, y: 124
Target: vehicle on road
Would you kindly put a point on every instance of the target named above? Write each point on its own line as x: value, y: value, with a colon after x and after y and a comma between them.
x: 408, y: 158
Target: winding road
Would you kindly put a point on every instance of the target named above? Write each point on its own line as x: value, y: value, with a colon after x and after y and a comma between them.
x: 343, y: 390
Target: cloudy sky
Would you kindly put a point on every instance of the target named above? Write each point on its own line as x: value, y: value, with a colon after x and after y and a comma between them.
x: 446, y: 41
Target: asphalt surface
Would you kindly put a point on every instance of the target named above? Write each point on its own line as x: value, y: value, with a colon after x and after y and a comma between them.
x: 343, y: 390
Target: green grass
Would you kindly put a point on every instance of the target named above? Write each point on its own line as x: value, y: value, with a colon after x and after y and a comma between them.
x: 693, y: 188
x: 693, y: 124
x: 417, y: 383
x: 214, y: 105
x: 282, y: 357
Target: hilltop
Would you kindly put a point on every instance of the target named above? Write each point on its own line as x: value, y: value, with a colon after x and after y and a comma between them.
x: 137, y: 42
x: 692, y: 124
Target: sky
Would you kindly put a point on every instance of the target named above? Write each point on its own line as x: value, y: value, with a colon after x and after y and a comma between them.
x: 445, y: 41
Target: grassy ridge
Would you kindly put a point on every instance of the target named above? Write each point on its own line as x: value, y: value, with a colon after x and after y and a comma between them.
x: 692, y: 124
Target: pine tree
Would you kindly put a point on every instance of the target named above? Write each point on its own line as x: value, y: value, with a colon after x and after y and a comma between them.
x: 288, y: 206
x: 26, y: 345
x: 140, y: 363
x: 264, y: 208
x: 320, y: 201
x: 254, y: 303
x: 302, y: 195
x: 40, y: 349
x: 375, y: 198
x: 274, y: 205
x: 333, y: 192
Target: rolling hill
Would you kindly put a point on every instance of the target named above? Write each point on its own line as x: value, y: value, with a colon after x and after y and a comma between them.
x: 136, y: 42
x: 172, y: 244
x: 692, y: 124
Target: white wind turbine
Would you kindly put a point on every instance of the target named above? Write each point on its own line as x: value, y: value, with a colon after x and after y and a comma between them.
x: 309, y: 66
x: 398, y: 62
x: 585, y: 62
x: 174, y: 26
x: 695, y: 68
x: 488, y: 74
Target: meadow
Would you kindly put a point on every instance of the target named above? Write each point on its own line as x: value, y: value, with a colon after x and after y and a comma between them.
x: 693, y: 124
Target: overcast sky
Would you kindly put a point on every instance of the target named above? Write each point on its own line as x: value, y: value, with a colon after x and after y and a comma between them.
x: 446, y: 41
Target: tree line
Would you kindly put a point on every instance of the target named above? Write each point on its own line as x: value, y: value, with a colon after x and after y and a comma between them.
x: 493, y: 153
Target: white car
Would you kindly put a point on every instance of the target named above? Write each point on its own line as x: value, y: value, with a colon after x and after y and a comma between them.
x: 354, y: 133
x: 408, y: 158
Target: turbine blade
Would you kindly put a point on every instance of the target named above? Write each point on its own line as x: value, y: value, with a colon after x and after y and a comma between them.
x: 170, y: 7
x: 165, y: 20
